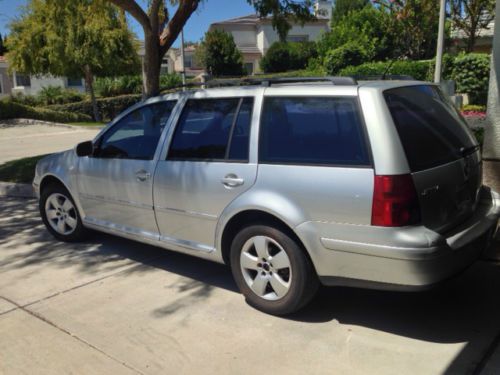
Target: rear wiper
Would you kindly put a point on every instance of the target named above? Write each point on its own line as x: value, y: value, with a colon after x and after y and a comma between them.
x: 468, y: 150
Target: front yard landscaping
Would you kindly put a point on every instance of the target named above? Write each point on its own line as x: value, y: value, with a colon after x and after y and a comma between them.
x: 19, y: 171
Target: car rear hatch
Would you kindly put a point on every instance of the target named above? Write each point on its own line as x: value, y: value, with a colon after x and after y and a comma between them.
x: 443, y: 155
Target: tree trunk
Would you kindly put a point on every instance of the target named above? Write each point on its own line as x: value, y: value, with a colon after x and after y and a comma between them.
x: 89, y: 86
x: 152, y: 63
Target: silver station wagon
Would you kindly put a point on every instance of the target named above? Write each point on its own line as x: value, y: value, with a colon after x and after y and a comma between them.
x: 293, y: 183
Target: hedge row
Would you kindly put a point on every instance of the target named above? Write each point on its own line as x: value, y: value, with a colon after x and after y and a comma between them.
x: 420, y: 70
x: 109, y: 108
x: 11, y: 110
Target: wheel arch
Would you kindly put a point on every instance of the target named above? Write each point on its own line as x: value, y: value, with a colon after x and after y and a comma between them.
x: 49, y: 179
x: 249, y: 217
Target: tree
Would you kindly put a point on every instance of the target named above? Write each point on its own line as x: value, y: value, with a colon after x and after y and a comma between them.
x: 72, y: 38
x: 414, y: 25
x: 161, y: 31
x: 344, y: 7
x: 3, y: 49
x: 472, y: 16
x: 218, y: 54
x: 366, y: 28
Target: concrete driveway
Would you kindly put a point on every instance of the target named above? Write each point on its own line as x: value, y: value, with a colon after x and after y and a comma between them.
x: 115, y: 306
x: 31, y: 140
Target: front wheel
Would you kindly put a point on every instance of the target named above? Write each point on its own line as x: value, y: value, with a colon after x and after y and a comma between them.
x: 272, y: 270
x: 60, y: 215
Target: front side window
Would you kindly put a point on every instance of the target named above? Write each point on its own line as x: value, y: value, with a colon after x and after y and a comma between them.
x: 213, y: 129
x: 136, y: 135
x: 312, y: 130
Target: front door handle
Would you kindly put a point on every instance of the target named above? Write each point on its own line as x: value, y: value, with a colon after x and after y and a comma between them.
x: 142, y: 175
x: 231, y: 180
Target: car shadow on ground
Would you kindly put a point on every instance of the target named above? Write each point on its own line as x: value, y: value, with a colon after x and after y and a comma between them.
x: 465, y: 309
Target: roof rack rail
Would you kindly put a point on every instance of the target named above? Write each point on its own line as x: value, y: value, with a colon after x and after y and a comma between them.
x: 384, y: 77
x: 266, y: 82
x: 338, y: 81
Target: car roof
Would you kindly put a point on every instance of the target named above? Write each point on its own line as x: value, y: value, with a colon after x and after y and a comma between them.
x: 287, y: 88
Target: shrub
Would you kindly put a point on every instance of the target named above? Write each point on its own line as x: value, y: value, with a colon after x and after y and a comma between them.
x: 10, y: 110
x: 285, y: 56
x: 350, y: 54
x: 114, y: 86
x: 471, y: 73
x: 420, y: 70
x: 58, y: 95
x: 109, y: 108
x: 125, y: 85
x: 474, y: 108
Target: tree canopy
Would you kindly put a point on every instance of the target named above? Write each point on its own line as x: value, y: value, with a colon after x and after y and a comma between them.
x: 342, y: 8
x: 72, y: 38
x: 218, y: 54
x: 472, y: 16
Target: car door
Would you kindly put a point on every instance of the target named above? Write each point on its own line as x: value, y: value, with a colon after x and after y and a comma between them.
x: 206, y: 167
x: 115, y: 184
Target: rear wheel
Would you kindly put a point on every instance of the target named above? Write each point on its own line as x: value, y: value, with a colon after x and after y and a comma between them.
x: 272, y: 270
x: 60, y: 215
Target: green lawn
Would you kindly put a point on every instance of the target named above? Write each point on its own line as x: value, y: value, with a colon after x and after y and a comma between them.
x: 20, y: 170
x: 92, y: 123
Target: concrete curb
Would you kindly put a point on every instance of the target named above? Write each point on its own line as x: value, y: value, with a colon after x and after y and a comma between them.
x: 11, y: 189
x: 27, y: 121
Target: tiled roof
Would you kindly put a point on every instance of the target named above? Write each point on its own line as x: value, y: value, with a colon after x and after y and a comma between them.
x: 254, y: 19
x: 250, y: 19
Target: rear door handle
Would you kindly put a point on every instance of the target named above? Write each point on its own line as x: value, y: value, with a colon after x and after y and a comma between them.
x: 142, y: 175
x: 231, y: 180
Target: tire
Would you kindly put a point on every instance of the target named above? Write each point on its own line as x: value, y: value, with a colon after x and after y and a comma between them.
x: 280, y: 288
x: 60, y: 215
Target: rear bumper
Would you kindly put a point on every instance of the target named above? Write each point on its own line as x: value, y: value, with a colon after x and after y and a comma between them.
x: 399, y: 258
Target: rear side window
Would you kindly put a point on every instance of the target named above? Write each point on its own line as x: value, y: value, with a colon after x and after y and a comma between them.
x: 213, y: 129
x: 312, y: 130
x: 430, y: 128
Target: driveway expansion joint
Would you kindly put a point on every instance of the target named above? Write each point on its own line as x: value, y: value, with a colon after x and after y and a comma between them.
x: 61, y: 329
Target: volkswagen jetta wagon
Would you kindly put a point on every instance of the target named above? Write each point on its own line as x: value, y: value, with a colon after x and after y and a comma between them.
x: 292, y: 184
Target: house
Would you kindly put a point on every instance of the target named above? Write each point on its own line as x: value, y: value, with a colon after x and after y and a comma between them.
x: 484, y: 41
x: 191, y: 66
x: 17, y: 83
x: 254, y: 35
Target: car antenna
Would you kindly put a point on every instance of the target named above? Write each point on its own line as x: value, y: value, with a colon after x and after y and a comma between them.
x: 387, y: 69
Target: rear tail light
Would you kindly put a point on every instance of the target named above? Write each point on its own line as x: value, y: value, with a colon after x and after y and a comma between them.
x: 395, y: 201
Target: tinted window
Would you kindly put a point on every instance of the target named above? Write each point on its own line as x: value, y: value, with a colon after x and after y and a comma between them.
x: 206, y: 127
x: 240, y: 139
x: 137, y: 134
x: 312, y: 130
x: 430, y: 128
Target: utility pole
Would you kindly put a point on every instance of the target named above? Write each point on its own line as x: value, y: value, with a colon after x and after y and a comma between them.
x: 183, y: 73
x: 440, y: 42
x: 491, y: 149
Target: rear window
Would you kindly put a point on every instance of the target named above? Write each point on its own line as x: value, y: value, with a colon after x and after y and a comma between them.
x: 431, y: 129
x: 312, y: 130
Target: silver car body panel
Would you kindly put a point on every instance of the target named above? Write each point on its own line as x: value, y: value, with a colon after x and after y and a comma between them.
x: 185, y: 207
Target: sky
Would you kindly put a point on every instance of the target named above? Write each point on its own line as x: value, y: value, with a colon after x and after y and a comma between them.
x: 208, y: 12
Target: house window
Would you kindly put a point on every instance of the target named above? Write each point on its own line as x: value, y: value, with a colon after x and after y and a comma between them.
x: 188, y: 61
x: 297, y: 38
x: 22, y: 80
x: 74, y: 82
x: 249, y: 68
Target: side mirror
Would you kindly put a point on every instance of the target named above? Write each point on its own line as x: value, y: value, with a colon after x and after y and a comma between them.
x: 84, y: 148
